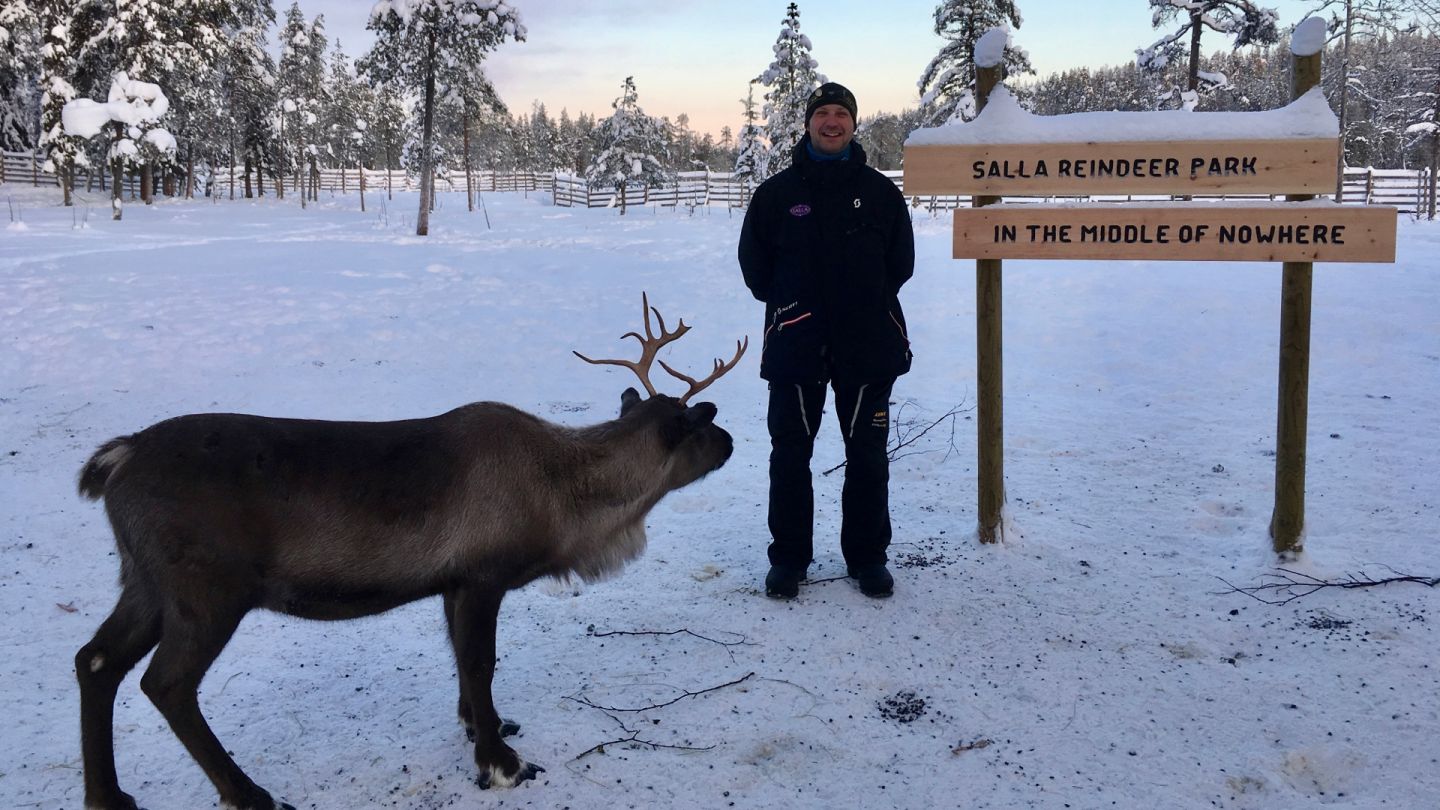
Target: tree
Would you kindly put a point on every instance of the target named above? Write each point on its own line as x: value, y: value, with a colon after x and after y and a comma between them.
x: 1242, y: 20
x: 389, y: 122
x: 20, y: 67
x: 751, y: 156
x: 302, y: 91
x: 1350, y: 19
x: 62, y: 152
x: 248, y: 87
x: 131, y: 114
x: 416, y: 41
x: 632, y: 146
x: 1424, y: 123
x: 947, y: 85
x: 790, y: 79
x: 176, y: 46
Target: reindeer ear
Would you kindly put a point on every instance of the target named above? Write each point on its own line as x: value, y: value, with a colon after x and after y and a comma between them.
x: 629, y: 399
x: 699, y: 416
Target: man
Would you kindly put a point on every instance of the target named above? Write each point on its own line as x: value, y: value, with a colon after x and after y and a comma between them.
x: 827, y: 244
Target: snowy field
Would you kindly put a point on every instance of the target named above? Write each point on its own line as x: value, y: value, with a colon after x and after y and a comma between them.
x: 1095, y: 660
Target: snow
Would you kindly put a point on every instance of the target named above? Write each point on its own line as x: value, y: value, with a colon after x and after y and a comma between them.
x: 130, y: 102
x: 1095, y: 660
x: 1004, y: 121
x: 84, y: 117
x: 990, y: 48
x: 1309, y: 37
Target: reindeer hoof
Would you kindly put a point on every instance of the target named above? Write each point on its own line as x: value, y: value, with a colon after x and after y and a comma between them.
x: 508, y: 728
x: 124, y: 801
x: 494, y: 777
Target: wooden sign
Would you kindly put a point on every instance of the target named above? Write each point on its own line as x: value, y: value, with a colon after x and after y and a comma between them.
x: 1298, y: 166
x: 1265, y: 232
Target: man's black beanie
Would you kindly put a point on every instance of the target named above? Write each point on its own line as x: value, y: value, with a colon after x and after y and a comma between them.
x: 830, y: 93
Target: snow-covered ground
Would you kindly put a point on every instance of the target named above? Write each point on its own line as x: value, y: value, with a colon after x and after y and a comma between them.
x: 1095, y: 660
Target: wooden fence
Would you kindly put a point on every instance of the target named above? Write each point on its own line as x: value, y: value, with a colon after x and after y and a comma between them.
x: 1406, y: 189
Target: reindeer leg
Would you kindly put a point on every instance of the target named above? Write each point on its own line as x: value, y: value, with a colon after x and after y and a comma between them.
x: 474, y: 612
x: 508, y: 728
x: 130, y: 632
x: 463, y: 708
x: 193, y: 636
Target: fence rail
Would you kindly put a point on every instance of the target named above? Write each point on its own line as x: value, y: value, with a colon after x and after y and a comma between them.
x: 1406, y: 189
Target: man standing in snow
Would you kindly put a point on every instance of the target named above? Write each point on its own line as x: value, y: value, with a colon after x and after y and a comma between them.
x: 827, y: 244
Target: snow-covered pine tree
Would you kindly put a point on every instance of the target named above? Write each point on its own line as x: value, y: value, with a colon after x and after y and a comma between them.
x: 467, y: 97
x: 751, y: 157
x: 177, y: 46
x: 302, y: 90
x: 1423, y: 120
x: 631, y: 147
x: 248, y: 88
x: 544, y: 139
x: 342, y: 117
x: 20, y: 67
x: 789, y: 79
x: 416, y: 40
x: 1349, y: 20
x: 130, y: 116
x: 1244, y: 21
x: 389, y: 122
x: 62, y: 152
x: 947, y: 85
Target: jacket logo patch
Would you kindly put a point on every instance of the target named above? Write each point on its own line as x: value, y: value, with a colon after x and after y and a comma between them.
x: 857, y: 202
x: 799, y: 210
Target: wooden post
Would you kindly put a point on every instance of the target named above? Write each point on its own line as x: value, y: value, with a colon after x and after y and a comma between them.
x: 1287, y: 523
x: 989, y: 366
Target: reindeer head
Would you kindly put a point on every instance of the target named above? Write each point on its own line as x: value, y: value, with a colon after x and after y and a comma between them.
x: 695, y: 445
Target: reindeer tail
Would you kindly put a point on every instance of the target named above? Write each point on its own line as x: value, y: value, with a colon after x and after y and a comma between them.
x: 102, y: 465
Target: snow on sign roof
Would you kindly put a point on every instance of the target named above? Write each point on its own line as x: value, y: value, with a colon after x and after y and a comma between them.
x: 1004, y: 121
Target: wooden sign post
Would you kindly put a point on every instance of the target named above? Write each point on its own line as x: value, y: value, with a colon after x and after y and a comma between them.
x: 1297, y: 232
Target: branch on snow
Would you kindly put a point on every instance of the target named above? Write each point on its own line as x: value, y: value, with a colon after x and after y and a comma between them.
x: 633, y: 735
x: 1287, y: 585
x: 905, y: 435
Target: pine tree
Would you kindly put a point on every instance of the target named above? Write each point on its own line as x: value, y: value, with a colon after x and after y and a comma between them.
x: 631, y: 147
x: 248, y: 87
x: 130, y: 116
x: 751, y: 157
x: 1242, y: 20
x: 416, y: 41
x: 790, y: 79
x: 20, y: 68
x: 947, y: 86
x: 62, y: 152
x: 302, y: 98
x: 545, y: 138
x: 1349, y: 20
x: 176, y: 46
x: 1423, y: 115
x: 389, y: 122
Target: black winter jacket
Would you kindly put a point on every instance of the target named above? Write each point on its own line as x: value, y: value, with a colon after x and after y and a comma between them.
x: 827, y: 246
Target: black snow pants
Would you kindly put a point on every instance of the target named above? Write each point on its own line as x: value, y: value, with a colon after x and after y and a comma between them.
x: 794, y: 421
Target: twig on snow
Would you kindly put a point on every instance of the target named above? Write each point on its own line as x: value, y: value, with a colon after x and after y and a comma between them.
x: 687, y: 694
x: 1288, y: 585
x: 906, y: 436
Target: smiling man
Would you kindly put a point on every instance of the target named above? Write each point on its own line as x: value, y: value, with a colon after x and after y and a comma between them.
x: 827, y: 244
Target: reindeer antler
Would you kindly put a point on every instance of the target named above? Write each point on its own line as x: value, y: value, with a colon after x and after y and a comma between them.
x: 650, y: 345
x: 720, y: 369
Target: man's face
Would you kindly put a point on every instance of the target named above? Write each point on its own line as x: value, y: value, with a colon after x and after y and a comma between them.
x: 831, y: 128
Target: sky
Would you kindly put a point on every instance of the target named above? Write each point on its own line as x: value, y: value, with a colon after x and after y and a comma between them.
x: 697, y: 56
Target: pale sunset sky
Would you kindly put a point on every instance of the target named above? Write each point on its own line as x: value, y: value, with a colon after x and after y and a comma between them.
x: 697, y: 56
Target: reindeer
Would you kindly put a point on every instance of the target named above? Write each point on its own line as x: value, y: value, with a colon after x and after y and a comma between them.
x: 218, y: 514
